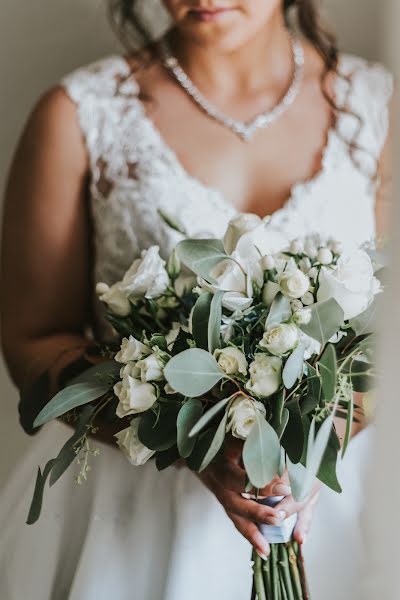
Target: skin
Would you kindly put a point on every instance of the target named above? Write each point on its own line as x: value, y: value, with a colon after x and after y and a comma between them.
x: 242, y: 63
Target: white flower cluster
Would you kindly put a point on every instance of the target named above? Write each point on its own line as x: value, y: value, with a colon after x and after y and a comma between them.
x: 147, y: 277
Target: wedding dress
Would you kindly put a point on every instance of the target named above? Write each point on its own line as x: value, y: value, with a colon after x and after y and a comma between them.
x: 133, y: 533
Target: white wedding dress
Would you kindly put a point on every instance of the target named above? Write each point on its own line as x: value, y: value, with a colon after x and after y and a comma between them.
x: 133, y: 533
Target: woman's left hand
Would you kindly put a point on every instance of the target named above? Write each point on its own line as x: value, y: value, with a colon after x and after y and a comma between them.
x: 304, y: 510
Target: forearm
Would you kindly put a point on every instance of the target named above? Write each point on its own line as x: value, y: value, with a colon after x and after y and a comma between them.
x: 43, y: 366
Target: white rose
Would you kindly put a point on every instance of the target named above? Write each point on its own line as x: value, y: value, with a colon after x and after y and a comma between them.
x: 147, y: 276
x: 231, y: 360
x: 128, y: 441
x: 237, y: 227
x: 352, y: 283
x: 305, y: 264
x: 268, y: 263
x: 131, y: 349
x: 296, y: 247
x: 308, y: 299
x: 130, y: 369
x: 150, y: 369
x: 294, y: 283
x: 280, y: 339
x: 302, y: 316
x: 325, y: 256
x: 265, y: 375
x: 236, y: 282
x: 134, y: 396
x: 242, y: 416
x: 260, y: 241
x: 115, y: 298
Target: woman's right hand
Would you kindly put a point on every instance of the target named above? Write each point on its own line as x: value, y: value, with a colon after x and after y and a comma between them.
x: 226, y: 479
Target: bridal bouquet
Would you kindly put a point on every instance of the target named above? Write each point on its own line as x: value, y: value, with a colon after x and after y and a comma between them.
x: 251, y: 337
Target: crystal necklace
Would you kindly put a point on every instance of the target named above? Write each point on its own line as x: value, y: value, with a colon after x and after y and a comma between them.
x: 244, y: 129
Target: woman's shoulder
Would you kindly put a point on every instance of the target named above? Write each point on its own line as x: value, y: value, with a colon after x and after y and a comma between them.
x: 106, y: 77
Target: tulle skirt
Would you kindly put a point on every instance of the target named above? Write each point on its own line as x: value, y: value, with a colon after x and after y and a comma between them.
x: 132, y: 533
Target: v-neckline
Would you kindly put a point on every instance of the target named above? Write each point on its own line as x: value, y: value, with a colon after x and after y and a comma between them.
x: 332, y: 137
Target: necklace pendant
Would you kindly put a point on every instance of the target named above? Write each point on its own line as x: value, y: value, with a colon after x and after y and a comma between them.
x: 244, y: 130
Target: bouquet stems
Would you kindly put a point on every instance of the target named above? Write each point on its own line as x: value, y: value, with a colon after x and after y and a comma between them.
x: 281, y: 576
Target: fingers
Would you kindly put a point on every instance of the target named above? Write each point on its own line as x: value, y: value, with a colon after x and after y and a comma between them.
x: 248, y: 509
x: 251, y: 532
x: 304, y: 520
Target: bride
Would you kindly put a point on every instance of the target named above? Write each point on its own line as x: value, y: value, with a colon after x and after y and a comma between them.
x: 172, y: 130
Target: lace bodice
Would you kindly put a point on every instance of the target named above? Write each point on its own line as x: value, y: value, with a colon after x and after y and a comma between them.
x: 135, y: 176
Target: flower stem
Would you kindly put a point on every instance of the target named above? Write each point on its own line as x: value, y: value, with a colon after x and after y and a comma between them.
x: 258, y: 578
x: 285, y: 571
x: 294, y: 570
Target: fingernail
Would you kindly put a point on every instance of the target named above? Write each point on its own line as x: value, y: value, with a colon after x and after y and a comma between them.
x: 261, y: 555
x: 280, y: 489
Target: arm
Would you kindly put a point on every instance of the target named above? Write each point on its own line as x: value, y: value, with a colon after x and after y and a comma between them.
x: 45, y: 271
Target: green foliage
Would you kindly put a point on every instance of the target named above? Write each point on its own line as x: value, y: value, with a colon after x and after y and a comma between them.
x: 326, y: 319
x: 98, y: 374
x: 261, y: 453
x: 366, y: 322
x: 157, y: 430
x: 214, y: 323
x: 69, y: 398
x: 216, y: 442
x: 201, y: 256
x: 72, y: 447
x: 293, y: 369
x: 166, y: 458
x: 293, y: 436
x: 193, y: 372
x: 37, y: 500
x: 327, y: 368
x: 200, y: 320
x: 188, y: 416
x: 280, y: 311
x: 209, y: 416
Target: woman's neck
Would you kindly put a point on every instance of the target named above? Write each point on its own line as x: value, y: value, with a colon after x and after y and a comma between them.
x: 263, y: 62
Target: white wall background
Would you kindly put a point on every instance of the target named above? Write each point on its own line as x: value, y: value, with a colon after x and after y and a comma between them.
x: 42, y: 40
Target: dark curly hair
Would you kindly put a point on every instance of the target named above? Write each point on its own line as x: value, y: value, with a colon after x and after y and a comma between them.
x: 133, y: 32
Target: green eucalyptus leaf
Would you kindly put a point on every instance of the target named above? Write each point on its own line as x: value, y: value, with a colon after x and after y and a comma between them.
x: 280, y: 430
x: 326, y: 319
x: 216, y: 443
x: 327, y: 367
x: 313, y: 397
x: 37, y: 500
x: 71, y: 448
x: 201, y: 256
x: 316, y: 447
x: 297, y: 477
x: 261, y: 453
x: 214, y: 323
x: 200, y: 320
x: 366, y: 322
x: 361, y: 374
x: 158, y: 431
x: 98, y: 374
x: 188, y: 416
x: 202, y: 446
x: 293, y: 436
x: 280, y: 311
x: 278, y: 403
x: 349, y: 423
x: 209, y: 416
x: 166, y: 458
x: 327, y: 470
x: 193, y: 372
x: 293, y: 369
x: 69, y: 398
